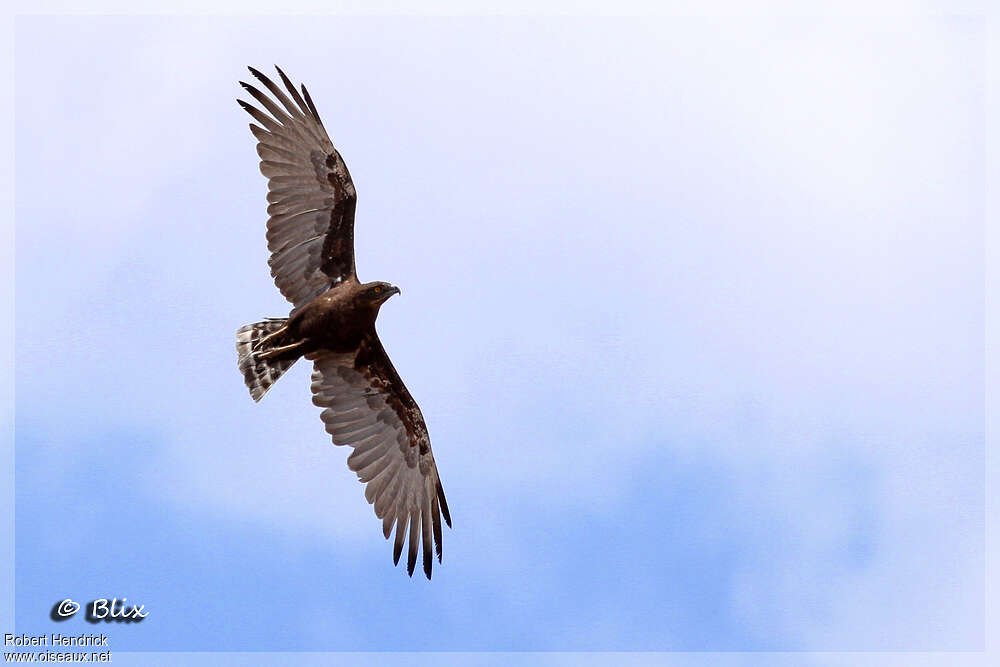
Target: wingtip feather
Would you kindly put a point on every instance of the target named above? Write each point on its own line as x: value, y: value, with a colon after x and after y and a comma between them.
x: 411, y: 557
x: 397, y: 548
x: 444, y: 504
x: 309, y: 102
x: 246, y: 106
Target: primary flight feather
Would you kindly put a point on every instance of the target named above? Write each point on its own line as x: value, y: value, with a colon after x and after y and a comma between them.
x: 310, y: 234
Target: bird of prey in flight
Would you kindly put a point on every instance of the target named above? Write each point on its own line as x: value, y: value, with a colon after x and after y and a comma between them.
x: 310, y: 233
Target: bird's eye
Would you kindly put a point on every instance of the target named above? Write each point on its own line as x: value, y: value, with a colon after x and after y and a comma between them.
x: 378, y: 290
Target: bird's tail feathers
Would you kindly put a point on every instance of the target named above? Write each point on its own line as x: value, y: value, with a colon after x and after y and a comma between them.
x: 251, y: 341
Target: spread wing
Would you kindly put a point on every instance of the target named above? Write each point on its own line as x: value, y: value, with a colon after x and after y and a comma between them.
x: 310, y: 193
x: 368, y: 407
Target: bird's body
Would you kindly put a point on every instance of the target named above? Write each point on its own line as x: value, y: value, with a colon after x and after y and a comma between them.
x: 337, y: 320
x: 332, y: 323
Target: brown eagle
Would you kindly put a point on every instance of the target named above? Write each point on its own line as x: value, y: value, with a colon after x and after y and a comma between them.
x: 310, y: 234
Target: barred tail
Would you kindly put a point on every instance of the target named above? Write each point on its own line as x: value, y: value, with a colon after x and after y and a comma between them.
x: 259, y: 374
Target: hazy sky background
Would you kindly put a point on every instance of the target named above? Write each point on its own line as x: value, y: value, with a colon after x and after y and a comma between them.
x: 693, y: 309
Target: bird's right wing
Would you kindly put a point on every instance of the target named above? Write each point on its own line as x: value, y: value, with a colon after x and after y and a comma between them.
x: 368, y: 407
x: 311, y: 229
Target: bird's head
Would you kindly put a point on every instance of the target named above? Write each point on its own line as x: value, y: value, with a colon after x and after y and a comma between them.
x: 378, y: 292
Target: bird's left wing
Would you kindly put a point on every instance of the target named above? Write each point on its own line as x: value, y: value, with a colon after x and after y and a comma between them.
x: 311, y: 197
x: 368, y: 407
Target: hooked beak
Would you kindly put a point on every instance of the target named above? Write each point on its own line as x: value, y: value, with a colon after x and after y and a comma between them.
x: 392, y: 289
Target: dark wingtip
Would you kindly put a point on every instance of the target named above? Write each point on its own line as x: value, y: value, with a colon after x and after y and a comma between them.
x: 285, y: 80
x: 259, y: 75
x: 290, y: 87
x: 309, y: 103
x: 444, y: 504
x: 397, y: 550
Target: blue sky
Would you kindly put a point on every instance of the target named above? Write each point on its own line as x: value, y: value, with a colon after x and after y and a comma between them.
x: 693, y: 308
